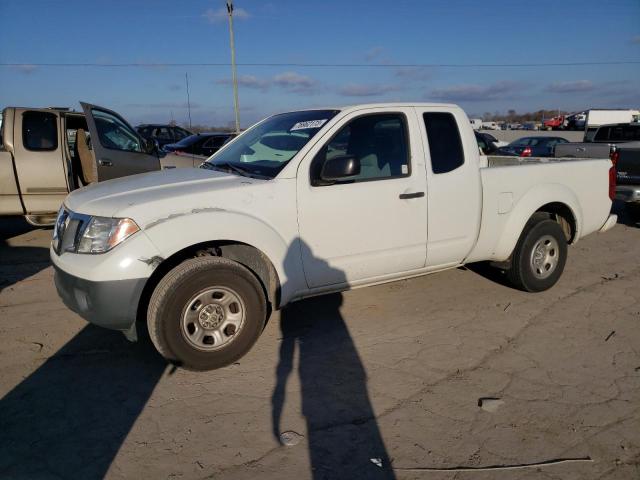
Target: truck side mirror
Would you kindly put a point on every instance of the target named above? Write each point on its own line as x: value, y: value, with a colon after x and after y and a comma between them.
x: 339, y: 168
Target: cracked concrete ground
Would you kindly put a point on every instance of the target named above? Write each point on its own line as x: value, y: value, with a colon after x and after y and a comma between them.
x: 392, y: 373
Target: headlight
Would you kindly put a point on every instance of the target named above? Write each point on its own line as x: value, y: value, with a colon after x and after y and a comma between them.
x: 58, y: 229
x: 102, y: 234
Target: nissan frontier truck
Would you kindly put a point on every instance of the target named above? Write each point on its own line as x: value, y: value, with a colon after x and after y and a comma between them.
x: 310, y: 202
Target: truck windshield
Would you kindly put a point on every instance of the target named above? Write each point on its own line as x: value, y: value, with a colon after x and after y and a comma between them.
x: 265, y: 149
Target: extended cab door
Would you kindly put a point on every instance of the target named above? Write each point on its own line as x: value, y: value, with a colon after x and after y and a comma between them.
x: 371, y: 225
x: 454, y: 184
x: 118, y: 149
x: 40, y: 166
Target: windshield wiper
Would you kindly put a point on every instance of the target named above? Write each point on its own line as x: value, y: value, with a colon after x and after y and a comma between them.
x: 232, y: 168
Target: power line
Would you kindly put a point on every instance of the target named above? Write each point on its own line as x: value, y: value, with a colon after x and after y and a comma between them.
x: 325, y: 65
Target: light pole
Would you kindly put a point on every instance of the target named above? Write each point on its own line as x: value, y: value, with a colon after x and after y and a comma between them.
x: 233, y: 66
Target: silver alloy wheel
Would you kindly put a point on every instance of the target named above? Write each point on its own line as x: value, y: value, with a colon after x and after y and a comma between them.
x: 545, y: 256
x: 212, y: 318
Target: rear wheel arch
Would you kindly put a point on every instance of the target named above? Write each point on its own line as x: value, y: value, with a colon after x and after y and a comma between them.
x: 563, y: 215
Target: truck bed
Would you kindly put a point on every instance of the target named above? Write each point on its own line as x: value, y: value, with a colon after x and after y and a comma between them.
x: 503, y: 161
x: 509, y: 195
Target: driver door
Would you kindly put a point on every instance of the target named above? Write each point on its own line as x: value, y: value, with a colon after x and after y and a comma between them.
x: 118, y: 149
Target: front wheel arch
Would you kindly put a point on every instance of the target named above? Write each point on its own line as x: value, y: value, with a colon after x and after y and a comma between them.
x: 247, y: 255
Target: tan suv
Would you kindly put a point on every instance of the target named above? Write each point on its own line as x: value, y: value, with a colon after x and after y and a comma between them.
x: 48, y: 152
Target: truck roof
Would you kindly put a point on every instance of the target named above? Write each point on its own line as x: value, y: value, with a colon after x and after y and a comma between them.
x: 360, y: 106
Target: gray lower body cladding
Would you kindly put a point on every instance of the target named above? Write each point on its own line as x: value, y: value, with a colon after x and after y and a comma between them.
x: 111, y: 304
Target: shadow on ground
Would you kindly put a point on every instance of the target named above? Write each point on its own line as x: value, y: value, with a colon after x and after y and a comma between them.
x: 342, y: 429
x: 19, y: 262
x: 69, y: 418
x: 628, y: 214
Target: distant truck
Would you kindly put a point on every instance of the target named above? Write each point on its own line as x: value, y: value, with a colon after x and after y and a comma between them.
x: 601, y: 141
x: 627, y: 159
x: 599, y: 117
x: 48, y: 152
x: 311, y: 202
x: 555, y: 123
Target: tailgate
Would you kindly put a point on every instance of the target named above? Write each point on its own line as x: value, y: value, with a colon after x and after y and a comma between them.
x: 628, y: 166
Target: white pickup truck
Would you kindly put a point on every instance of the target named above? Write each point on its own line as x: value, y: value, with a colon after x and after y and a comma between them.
x: 310, y: 202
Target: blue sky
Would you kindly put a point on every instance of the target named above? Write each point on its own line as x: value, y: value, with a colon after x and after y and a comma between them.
x: 366, y: 32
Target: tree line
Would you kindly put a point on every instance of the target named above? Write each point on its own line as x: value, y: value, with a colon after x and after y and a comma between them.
x: 513, y: 117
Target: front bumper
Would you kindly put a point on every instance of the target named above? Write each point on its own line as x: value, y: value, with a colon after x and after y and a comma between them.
x: 105, y: 289
x: 111, y: 304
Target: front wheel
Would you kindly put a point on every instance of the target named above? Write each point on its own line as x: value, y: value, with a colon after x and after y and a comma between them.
x: 206, y: 313
x: 539, y: 257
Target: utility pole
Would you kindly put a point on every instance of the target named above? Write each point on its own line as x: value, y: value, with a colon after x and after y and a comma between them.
x: 186, y: 77
x: 233, y: 66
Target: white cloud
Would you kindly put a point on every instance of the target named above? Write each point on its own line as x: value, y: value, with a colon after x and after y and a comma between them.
x: 414, y: 73
x: 472, y: 93
x: 290, y: 82
x: 365, y: 90
x: 248, y: 81
x: 570, y: 87
x: 373, y: 53
x: 25, y: 68
x: 296, y: 83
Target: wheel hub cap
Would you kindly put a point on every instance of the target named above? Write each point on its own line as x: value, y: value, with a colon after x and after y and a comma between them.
x: 211, y: 316
x: 544, y: 257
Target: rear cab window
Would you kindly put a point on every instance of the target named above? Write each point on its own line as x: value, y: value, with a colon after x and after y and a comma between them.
x: 602, y: 134
x: 40, y: 131
x: 445, y: 144
x: 590, y: 133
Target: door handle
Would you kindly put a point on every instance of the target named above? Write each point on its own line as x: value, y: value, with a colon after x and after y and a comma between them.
x: 105, y: 163
x: 406, y: 196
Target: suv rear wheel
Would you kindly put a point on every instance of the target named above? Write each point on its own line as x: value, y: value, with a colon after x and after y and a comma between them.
x: 206, y: 313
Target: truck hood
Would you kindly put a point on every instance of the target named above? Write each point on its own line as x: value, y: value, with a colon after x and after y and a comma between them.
x: 146, y: 196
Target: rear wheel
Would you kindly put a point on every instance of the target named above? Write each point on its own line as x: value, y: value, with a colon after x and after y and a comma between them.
x: 206, y: 313
x: 539, y: 257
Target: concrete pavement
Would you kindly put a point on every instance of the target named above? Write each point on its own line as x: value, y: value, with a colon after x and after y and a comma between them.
x: 452, y: 375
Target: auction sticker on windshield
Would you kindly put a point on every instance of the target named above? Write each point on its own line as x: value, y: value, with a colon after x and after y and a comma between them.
x: 308, y: 124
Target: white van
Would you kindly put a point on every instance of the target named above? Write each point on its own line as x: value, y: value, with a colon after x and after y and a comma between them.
x: 476, y: 123
x: 490, y: 126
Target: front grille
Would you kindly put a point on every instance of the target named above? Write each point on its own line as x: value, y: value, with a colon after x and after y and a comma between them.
x: 68, y: 230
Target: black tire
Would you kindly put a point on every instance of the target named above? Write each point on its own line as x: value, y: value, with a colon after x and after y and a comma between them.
x: 173, y: 295
x: 523, y: 274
